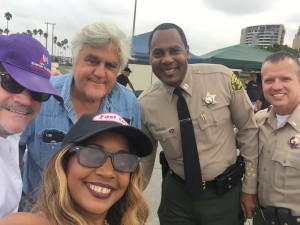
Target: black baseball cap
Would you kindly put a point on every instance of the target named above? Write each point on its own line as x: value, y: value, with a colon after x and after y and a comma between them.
x: 90, y: 124
x: 127, y: 69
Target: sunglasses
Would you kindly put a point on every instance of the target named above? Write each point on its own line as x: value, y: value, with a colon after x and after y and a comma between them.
x: 94, y: 157
x: 9, y: 84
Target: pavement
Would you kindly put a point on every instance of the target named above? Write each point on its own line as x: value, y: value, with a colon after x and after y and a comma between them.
x: 153, y: 192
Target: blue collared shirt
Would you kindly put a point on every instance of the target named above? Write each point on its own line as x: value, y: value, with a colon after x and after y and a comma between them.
x: 43, y: 136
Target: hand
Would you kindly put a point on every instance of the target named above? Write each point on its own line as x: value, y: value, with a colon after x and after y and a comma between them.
x: 248, y: 202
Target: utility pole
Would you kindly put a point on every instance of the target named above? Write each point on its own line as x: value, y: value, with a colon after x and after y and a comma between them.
x: 52, y: 38
x: 133, y: 26
x: 48, y: 23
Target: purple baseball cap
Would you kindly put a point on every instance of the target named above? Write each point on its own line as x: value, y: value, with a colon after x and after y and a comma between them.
x: 28, y: 62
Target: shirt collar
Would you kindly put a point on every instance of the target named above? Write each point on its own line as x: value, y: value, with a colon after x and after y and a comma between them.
x: 186, y: 85
x: 293, y: 120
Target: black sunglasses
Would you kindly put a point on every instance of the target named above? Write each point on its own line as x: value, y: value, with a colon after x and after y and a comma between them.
x: 9, y: 84
x: 95, y: 157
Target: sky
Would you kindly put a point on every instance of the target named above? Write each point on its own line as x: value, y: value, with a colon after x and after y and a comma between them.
x: 208, y: 24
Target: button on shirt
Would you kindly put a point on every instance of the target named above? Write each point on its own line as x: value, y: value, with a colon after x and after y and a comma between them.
x: 279, y: 161
x: 215, y: 108
x: 55, y: 119
x: 10, y: 176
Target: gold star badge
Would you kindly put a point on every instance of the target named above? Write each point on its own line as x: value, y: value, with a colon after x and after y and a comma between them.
x: 209, y: 99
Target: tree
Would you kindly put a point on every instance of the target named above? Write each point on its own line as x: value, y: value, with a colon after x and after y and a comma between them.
x: 1, y: 31
x: 54, y: 39
x: 29, y: 32
x: 40, y: 31
x: 54, y: 43
x: 65, y: 42
x: 6, y: 31
x: 35, y: 32
x: 8, y: 17
x: 276, y: 48
x: 46, y: 38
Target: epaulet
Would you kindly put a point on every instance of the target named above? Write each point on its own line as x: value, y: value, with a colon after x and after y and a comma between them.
x: 210, y: 68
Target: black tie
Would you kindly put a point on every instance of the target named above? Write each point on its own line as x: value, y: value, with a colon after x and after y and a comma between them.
x: 192, y: 170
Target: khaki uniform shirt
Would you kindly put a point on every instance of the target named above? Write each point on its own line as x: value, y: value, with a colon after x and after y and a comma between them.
x: 279, y: 160
x: 213, y: 123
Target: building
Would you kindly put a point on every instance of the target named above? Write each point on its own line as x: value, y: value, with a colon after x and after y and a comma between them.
x: 296, y: 41
x: 263, y: 35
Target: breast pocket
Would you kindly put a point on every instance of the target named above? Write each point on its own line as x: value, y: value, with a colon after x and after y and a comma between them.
x: 287, y: 169
x: 210, y: 122
x: 168, y: 137
x: 49, y: 143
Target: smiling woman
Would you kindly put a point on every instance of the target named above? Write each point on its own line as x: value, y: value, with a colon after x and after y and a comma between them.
x: 95, y: 178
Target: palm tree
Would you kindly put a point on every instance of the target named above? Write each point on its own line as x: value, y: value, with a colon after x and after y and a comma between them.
x: 54, y: 43
x: 46, y: 38
x: 35, y: 32
x: 54, y: 39
x: 29, y: 32
x: 6, y: 31
x: 8, y: 17
x: 1, y: 31
x: 65, y: 42
x: 40, y: 31
x: 59, y: 44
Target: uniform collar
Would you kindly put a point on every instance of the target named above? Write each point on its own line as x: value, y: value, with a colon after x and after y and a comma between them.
x: 293, y: 120
x: 186, y: 85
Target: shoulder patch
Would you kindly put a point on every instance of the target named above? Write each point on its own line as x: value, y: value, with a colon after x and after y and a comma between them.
x: 236, y: 84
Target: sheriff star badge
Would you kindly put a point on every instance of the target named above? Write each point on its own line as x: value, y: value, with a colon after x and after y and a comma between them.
x: 209, y: 99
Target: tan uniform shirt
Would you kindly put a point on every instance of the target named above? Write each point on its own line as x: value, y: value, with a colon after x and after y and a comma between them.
x: 279, y: 160
x: 213, y: 123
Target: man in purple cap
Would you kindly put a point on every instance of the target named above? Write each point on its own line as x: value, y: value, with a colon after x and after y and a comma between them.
x: 25, y: 84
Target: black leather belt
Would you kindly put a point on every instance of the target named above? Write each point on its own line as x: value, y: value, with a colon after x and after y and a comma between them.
x: 279, y: 216
x: 205, y: 184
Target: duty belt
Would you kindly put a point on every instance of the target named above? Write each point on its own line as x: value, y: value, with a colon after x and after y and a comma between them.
x: 205, y: 184
x: 279, y: 216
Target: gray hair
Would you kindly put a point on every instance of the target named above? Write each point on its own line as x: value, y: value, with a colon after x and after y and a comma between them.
x: 99, y: 34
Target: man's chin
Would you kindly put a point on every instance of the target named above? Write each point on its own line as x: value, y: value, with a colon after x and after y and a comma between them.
x: 10, y: 130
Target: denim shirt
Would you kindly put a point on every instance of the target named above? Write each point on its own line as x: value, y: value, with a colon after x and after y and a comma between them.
x: 44, y: 135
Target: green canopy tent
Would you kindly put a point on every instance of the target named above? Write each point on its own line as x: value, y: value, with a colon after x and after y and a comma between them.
x: 239, y: 56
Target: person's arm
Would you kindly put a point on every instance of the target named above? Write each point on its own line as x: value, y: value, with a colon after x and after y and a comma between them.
x: 246, y: 82
x: 248, y: 202
x: 247, y: 142
x: 131, y: 86
x: 148, y: 161
x: 258, y: 105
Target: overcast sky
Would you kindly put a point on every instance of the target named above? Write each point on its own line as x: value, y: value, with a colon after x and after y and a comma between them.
x: 208, y: 24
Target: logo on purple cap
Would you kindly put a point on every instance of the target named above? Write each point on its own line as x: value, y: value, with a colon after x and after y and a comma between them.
x: 110, y: 117
x: 43, y: 62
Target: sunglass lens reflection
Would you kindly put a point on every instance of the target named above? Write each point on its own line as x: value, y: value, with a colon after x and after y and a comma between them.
x: 94, y: 157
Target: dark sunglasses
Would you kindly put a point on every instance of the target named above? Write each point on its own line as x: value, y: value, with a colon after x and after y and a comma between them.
x: 95, y: 157
x: 9, y: 84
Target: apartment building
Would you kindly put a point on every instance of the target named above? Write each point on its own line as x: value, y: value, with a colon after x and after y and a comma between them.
x: 263, y: 35
x: 296, y: 41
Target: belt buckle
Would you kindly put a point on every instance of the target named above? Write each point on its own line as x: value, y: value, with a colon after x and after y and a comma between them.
x: 203, y: 185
